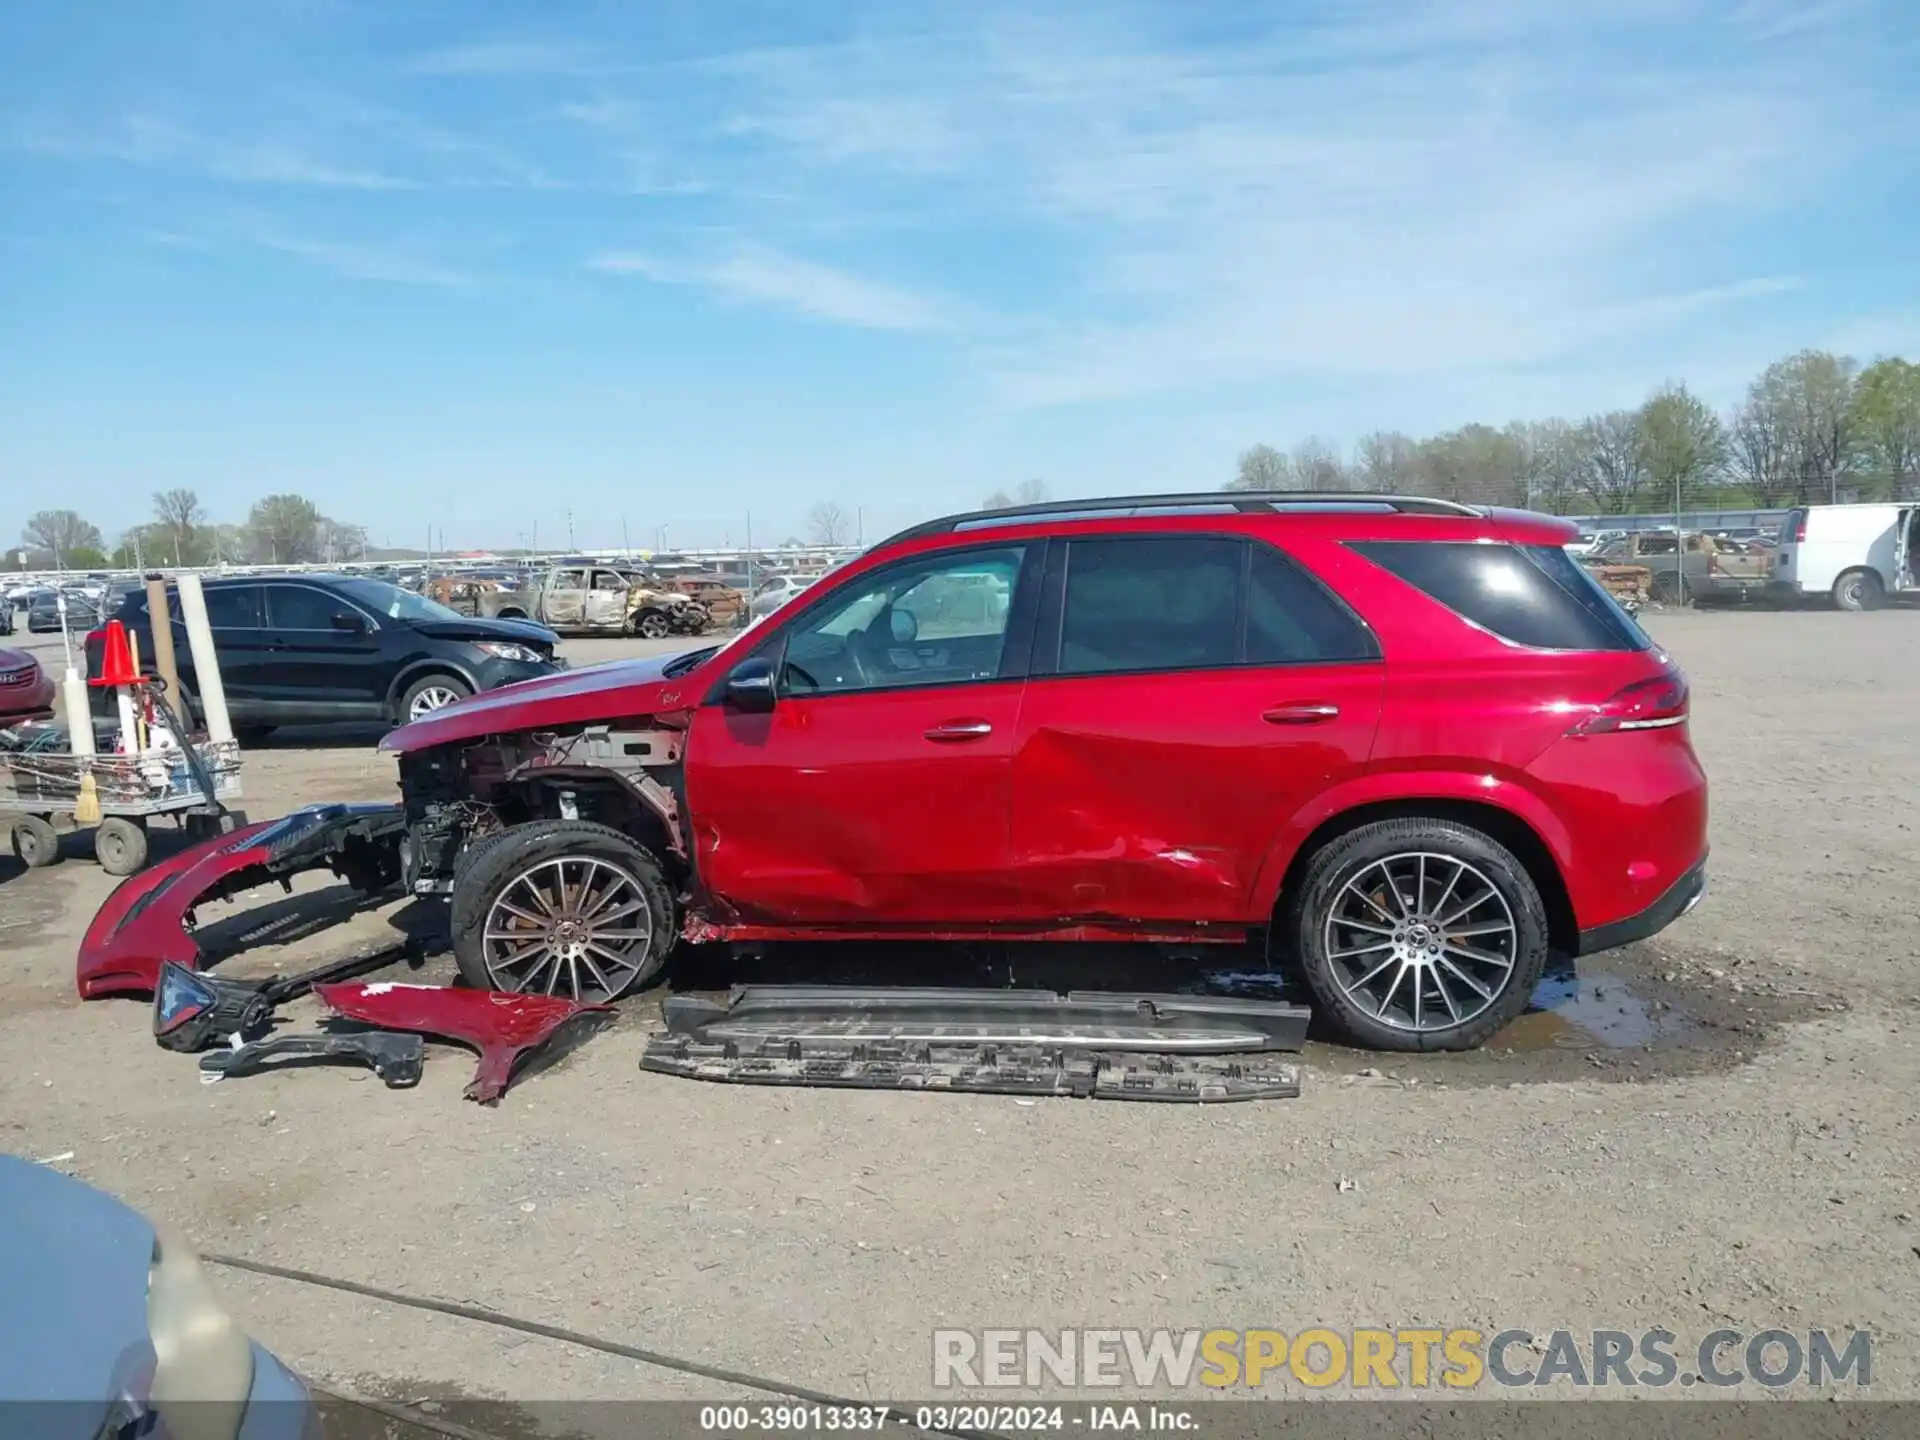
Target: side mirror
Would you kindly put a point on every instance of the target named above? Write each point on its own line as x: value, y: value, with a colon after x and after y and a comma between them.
x: 750, y: 688
x: 351, y: 621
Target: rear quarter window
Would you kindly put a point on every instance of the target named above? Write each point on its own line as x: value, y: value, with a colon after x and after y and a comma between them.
x: 1534, y: 595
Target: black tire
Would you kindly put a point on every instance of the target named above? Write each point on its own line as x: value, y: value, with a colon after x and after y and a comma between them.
x: 501, y: 867
x: 120, y: 845
x: 1858, y: 590
x: 1449, y: 847
x: 652, y: 625
x: 1665, y: 590
x: 36, y: 844
x: 429, y: 685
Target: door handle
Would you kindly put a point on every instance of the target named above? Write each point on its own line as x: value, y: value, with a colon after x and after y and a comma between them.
x: 953, y: 730
x: 1301, y: 714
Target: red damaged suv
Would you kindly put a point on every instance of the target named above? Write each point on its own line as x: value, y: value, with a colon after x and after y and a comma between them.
x: 1410, y: 742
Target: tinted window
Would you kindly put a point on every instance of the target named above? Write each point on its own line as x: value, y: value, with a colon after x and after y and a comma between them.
x: 1167, y: 603
x: 1655, y: 543
x: 296, y: 607
x: 1534, y: 595
x: 1292, y: 621
x: 234, y: 607
x: 936, y: 621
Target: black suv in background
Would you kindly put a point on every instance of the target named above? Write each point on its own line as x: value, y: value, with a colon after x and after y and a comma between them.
x: 311, y: 649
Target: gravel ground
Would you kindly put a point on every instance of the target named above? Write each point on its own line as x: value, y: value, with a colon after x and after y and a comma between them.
x: 1714, y: 1128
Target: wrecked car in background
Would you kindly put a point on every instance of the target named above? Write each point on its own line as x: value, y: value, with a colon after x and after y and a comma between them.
x: 579, y: 600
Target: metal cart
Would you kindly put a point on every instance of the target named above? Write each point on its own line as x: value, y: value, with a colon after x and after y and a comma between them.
x: 41, y: 785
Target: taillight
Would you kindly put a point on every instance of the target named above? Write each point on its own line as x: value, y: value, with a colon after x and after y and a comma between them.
x: 1800, y: 531
x: 1658, y: 703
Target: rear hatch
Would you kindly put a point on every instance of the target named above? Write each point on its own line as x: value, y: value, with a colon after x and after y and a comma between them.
x: 1786, y: 555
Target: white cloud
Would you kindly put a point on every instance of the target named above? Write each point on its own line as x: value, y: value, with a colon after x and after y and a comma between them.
x: 758, y: 275
x: 512, y: 57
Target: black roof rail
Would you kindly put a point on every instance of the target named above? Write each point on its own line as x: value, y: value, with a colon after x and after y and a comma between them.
x: 1200, y: 501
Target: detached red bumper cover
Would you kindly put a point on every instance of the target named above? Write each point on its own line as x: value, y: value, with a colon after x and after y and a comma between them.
x: 149, y: 918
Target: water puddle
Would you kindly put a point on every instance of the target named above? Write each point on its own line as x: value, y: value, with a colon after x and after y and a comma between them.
x: 1593, y: 1012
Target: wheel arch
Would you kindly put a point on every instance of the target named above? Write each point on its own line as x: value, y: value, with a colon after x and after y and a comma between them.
x: 646, y: 811
x: 1516, y: 832
x: 416, y: 670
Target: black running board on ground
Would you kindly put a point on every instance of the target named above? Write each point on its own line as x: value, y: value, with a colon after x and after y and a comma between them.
x: 1191, y: 1048
x: 1081, y: 1020
x: 975, y: 1069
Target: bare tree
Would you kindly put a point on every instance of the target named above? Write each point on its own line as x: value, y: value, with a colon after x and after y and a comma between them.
x: 1682, y: 446
x: 1260, y: 468
x: 1757, y: 449
x: 1027, y: 492
x: 1559, y: 465
x: 1616, y: 468
x: 1817, y: 390
x: 1315, y: 465
x: 175, y: 534
x: 828, y: 524
x: 1386, y: 462
x: 1475, y: 464
x: 62, y: 533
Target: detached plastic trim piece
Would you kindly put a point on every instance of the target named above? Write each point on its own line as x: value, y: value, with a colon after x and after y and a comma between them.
x: 1084, y: 1020
x: 974, y: 1069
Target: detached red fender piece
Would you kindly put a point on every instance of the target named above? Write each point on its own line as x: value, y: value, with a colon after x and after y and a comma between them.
x: 502, y: 1027
x: 148, y: 919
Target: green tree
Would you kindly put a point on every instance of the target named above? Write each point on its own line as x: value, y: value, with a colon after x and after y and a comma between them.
x: 1476, y: 465
x: 64, y: 535
x: 1682, y: 446
x: 1808, y: 399
x: 284, y: 529
x: 1885, y: 427
x: 1558, y: 463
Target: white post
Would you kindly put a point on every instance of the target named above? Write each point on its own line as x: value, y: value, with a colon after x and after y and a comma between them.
x: 206, y: 664
x: 79, y: 712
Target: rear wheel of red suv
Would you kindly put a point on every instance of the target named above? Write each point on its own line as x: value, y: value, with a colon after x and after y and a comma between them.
x: 1418, y: 934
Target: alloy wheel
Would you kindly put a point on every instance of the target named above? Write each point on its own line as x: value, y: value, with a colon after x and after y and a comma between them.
x: 1421, y: 941
x: 432, y: 698
x: 577, y: 927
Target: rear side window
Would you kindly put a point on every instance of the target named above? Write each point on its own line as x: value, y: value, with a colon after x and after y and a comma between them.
x: 234, y: 607
x: 1197, y: 602
x: 1292, y: 621
x: 1533, y: 595
x: 1160, y: 604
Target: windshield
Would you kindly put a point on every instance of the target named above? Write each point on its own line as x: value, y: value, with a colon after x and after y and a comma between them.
x: 395, y: 603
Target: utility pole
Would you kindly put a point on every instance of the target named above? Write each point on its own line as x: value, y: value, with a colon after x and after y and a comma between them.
x: 626, y: 548
x: 750, y: 584
x: 572, y: 544
x: 860, y: 526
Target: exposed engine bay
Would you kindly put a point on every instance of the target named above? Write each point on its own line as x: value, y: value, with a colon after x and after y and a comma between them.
x: 456, y: 796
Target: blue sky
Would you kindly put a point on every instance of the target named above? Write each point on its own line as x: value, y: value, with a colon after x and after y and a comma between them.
x: 472, y: 265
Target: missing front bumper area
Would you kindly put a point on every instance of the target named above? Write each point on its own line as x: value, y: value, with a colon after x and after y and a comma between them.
x: 1182, y: 1048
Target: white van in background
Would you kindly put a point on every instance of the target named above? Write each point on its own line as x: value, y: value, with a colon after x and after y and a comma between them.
x: 1861, y: 555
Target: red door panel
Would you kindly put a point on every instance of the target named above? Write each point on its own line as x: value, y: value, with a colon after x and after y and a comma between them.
x: 865, y: 809
x: 1156, y: 796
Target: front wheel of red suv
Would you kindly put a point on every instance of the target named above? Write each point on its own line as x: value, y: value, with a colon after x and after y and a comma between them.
x: 1418, y: 934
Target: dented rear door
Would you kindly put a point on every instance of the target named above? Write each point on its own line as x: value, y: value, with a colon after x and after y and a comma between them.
x: 1186, y: 702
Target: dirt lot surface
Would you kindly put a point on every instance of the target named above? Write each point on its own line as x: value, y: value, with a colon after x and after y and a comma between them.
x: 1719, y: 1127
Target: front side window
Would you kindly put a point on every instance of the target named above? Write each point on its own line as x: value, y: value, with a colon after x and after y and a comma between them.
x: 937, y: 621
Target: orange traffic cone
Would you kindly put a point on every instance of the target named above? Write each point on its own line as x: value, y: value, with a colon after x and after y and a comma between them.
x: 116, y: 659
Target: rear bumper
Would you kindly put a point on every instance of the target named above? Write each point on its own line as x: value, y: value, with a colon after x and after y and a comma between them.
x: 1680, y: 897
